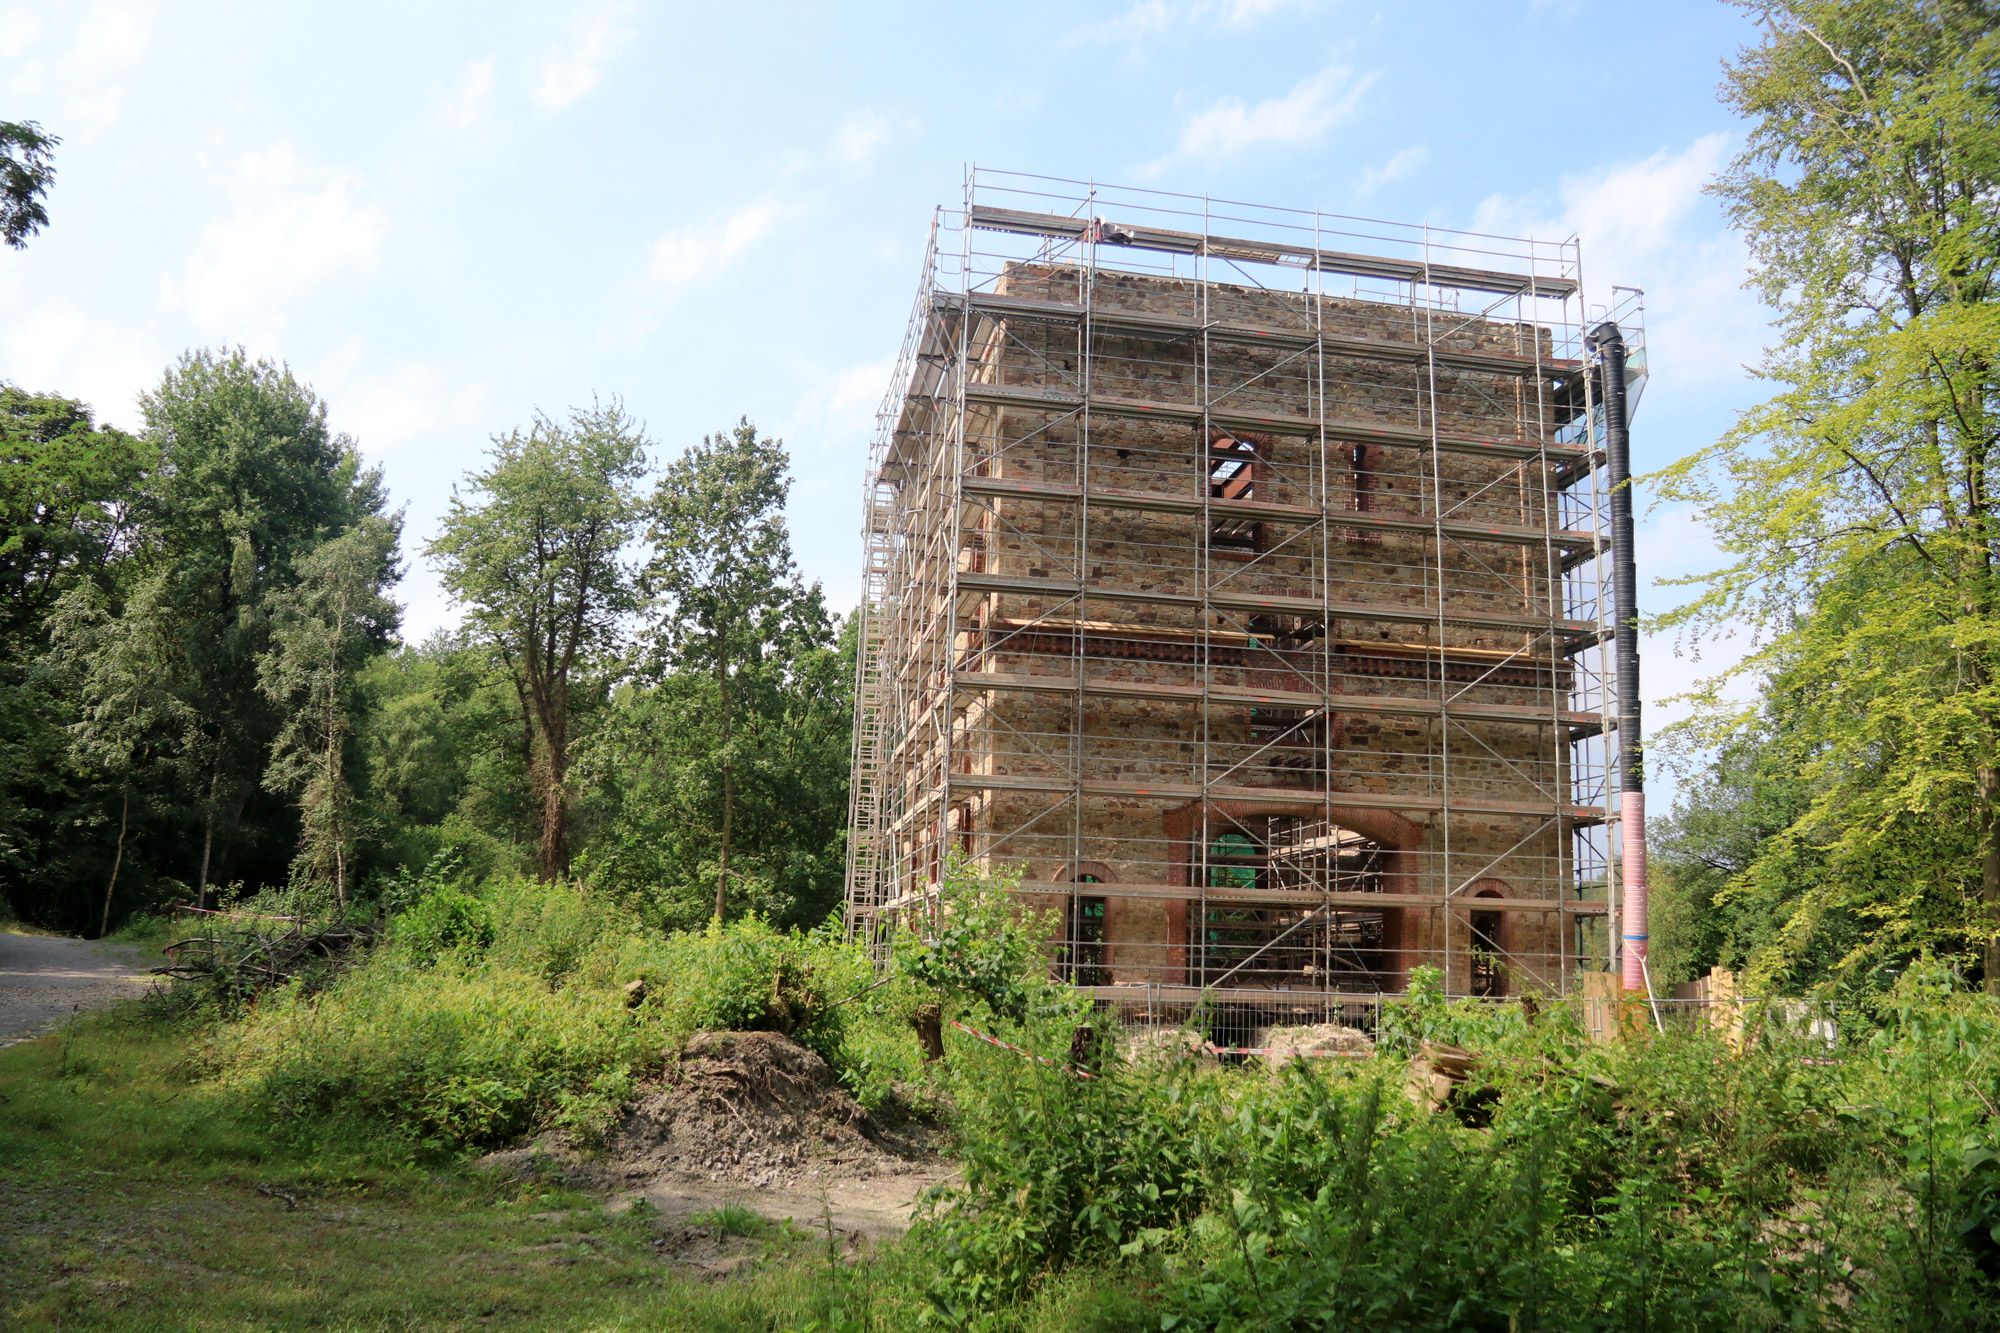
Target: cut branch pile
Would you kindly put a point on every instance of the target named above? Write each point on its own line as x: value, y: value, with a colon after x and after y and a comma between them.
x: 246, y: 952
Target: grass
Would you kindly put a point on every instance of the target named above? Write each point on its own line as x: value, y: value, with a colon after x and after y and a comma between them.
x: 138, y: 1194
x: 733, y: 1219
x: 133, y: 1198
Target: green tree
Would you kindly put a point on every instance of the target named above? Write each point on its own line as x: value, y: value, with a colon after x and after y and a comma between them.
x: 66, y: 486
x: 121, y: 673
x: 448, y: 758
x: 1726, y: 820
x: 66, y: 490
x: 27, y: 169
x: 1857, y: 504
x: 250, y: 481
x: 323, y: 630
x: 659, y: 766
x: 536, y: 555
x: 723, y: 586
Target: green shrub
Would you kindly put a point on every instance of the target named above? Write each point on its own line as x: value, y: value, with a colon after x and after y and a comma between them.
x: 452, y: 1055
x: 1668, y: 1183
x: 505, y: 1013
x: 443, y: 921
x: 986, y: 952
x: 749, y: 976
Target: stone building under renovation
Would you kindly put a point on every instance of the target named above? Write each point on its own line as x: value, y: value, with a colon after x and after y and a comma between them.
x: 1233, y: 579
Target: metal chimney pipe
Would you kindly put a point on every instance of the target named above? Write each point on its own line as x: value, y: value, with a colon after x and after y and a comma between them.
x: 1609, y: 343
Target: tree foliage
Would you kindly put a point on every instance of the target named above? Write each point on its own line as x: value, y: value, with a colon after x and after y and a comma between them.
x: 27, y: 170
x: 203, y: 694
x: 323, y: 630
x: 536, y: 556
x: 1856, y: 505
x: 66, y: 496
x: 727, y: 596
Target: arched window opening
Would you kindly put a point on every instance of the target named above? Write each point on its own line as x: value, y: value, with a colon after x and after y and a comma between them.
x: 1488, y: 971
x: 1232, y: 862
x: 1083, y: 937
x: 1298, y: 938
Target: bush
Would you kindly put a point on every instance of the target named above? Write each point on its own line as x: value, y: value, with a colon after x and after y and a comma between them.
x: 748, y: 976
x: 1668, y: 1183
x: 452, y: 1055
x: 443, y: 921
x: 502, y: 1013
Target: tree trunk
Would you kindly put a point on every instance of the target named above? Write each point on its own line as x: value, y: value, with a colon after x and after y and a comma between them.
x: 929, y: 1023
x: 124, y: 810
x: 208, y: 835
x: 555, y: 849
x: 728, y: 795
x: 1989, y: 870
x: 335, y: 822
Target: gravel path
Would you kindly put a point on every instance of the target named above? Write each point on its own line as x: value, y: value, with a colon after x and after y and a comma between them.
x: 44, y: 978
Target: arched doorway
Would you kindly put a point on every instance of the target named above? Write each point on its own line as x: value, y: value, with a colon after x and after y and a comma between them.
x: 1266, y: 918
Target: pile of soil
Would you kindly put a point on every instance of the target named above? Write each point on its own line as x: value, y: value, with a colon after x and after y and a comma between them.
x: 1313, y: 1040
x: 755, y: 1120
x: 757, y: 1109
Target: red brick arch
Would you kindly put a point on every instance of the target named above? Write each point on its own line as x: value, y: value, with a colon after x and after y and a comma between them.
x: 1403, y: 839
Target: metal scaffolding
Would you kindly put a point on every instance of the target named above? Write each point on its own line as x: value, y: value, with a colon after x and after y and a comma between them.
x: 1233, y: 576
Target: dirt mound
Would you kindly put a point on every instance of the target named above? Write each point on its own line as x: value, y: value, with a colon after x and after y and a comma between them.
x: 759, y: 1110
x: 1150, y: 1046
x: 1313, y: 1040
x: 751, y: 1119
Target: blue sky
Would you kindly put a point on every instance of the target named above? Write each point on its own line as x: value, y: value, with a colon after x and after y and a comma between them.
x: 447, y: 216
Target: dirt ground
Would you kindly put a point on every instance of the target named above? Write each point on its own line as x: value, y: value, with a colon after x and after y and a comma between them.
x: 753, y: 1120
x: 46, y: 978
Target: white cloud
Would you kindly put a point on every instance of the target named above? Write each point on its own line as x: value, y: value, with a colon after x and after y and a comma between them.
x: 1145, y: 18
x: 690, y: 253
x: 60, y: 349
x: 291, y: 225
x: 1313, y: 106
x: 404, y: 403
x: 1395, y: 169
x: 860, y: 135
x: 19, y: 31
x: 844, y: 405
x: 1240, y: 13
x: 466, y: 104
x: 598, y: 34
x: 1647, y: 224
x: 83, y: 89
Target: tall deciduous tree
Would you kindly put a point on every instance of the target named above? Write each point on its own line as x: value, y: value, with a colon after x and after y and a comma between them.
x: 535, y: 552
x: 323, y: 630
x: 250, y: 480
x: 66, y: 487
x: 723, y: 580
x: 1857, y: 505
x: 659, y: 765
x: 122, y: 673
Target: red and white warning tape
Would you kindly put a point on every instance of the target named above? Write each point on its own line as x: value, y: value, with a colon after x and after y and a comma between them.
x: 1010, y: 1046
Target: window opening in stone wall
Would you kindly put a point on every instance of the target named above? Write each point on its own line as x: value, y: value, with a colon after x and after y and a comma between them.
x: 1084, y: 938
x: 1364, y: 461
x: 1232, y: 475
x: 1487, y: 974
x: 1288, y: 743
